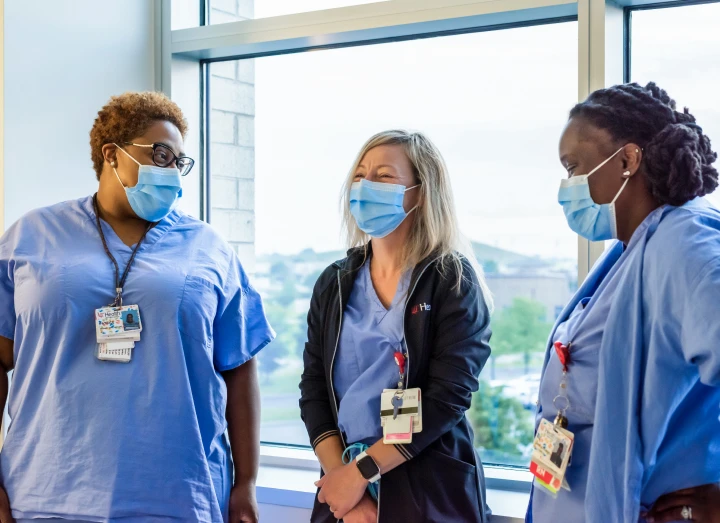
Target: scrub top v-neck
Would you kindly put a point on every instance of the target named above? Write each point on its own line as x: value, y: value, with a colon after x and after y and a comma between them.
x: 365, y: 364
x: 105, y: 441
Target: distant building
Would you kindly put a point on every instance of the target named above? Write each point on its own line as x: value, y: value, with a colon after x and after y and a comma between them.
x: 551, y: 290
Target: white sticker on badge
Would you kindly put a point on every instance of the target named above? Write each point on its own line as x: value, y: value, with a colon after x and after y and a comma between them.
x: 115, y: 352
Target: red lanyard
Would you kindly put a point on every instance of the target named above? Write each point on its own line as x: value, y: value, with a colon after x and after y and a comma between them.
x: 400, y: 361
x: 561, y: 402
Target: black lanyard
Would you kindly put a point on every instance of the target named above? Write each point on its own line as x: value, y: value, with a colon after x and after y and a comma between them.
x: 119, y: 282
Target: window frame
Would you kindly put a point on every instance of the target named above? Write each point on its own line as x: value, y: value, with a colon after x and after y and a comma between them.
x: 604, y: 40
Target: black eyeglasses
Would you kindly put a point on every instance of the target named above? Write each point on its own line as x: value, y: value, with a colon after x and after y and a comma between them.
x: 163, y: 156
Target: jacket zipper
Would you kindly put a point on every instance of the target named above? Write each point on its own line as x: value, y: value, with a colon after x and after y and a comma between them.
x: 407, y: 347
x: 332, y: 363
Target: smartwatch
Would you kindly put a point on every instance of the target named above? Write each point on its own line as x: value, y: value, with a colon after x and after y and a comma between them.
x: 368, y: 468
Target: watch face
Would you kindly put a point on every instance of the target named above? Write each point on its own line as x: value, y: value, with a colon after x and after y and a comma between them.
x: 367, y: 467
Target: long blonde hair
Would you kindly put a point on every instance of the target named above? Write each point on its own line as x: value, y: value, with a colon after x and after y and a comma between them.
x: 435, y: 231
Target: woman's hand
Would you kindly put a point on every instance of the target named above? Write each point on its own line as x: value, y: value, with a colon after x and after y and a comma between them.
x: 364, y: 512
x: 703, y: 502
x: 243, y: 505
x: 5, y: 513
x: 342, y: 488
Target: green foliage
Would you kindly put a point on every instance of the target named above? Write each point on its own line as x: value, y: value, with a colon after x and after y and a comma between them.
x: 311, y: 278
x: 520, y: 328
x: 281, y: 318
x: 279, y: 271
x: 500, y: 423
x: 286, y: 295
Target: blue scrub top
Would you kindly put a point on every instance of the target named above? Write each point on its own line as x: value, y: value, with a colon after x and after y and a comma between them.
x: 132, y: 442
x: 365, y: 360
x: 653, y: 364
x: 584, y: 330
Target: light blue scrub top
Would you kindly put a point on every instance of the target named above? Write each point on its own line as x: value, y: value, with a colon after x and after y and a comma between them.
x: 584, y: 330
x: 657, y: 371
x: 365, y: 360
x: 133, y: 442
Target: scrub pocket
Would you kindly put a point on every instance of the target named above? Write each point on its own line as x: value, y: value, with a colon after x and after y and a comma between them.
x: 198, y: 309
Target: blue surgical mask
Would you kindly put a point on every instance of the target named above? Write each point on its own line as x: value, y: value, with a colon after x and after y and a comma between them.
x: 595, y: 222
x: 378, y: 207
x: 157, y: 192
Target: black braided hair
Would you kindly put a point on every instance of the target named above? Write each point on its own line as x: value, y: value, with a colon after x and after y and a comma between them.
x: 677, y: 155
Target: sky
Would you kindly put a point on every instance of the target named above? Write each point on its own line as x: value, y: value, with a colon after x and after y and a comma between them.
x: 495, y: 104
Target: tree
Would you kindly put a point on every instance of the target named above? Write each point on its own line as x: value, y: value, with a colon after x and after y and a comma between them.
x: 521, y: 329
x: 310, y: 279
x: 282, y: 320
x: 287, y: 294
x: 501, y: 424
x: 279, y: 271
x: 268, y: 359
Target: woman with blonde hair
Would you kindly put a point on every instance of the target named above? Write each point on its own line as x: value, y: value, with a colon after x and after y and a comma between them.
x: 402, y: 322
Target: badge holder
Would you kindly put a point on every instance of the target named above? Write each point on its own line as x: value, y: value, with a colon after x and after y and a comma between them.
x: 400, y: 409
x: 553, y: 443
x: 117, y: 328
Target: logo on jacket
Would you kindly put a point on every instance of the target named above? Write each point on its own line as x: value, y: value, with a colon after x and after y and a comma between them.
x: 423, y: 307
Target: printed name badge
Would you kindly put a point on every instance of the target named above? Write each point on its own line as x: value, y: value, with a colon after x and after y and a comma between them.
x: 117, y: 330
x: 118, y: 322
x: 552, y: 449
x: 400, y: 414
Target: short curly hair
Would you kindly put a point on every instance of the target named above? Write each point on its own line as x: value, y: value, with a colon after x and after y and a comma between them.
x: 128, y: 116
x: 678, y: 155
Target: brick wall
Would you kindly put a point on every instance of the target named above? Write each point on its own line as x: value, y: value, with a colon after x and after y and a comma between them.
x: 232, y: 133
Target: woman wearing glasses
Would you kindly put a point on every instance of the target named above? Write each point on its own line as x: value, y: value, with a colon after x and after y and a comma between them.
x: 107, y: 423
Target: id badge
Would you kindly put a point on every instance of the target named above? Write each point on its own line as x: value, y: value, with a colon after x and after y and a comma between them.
x: 552, y: 448
x: 117, y: 329
x: 113, y: 323
x: 400, y: 414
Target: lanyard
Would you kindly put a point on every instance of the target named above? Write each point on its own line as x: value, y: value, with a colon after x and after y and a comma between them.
x: 400, y: 362
x: 119, y: 281
x: 561, y: 402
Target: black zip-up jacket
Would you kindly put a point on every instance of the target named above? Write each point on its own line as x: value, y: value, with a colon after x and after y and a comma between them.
x: 446, y: 334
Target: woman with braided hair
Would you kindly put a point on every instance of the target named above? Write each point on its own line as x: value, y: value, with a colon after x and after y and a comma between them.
x: 633, y: 365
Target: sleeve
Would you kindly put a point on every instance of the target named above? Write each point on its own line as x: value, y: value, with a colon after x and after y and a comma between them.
x: 240, y: 329
x: 315, y: 408
x: 700, y: 335
x: 7, y: 285
x: 461, y: 348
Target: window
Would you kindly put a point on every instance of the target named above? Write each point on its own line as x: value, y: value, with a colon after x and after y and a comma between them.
x: 185, y: 13
x: 678, y: 48
x: 285, y: 130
